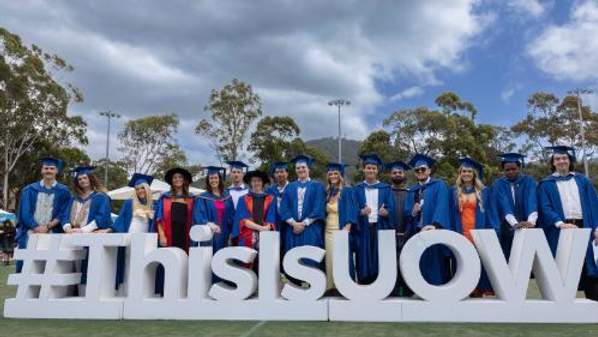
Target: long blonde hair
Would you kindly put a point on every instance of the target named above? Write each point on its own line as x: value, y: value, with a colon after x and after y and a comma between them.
x: 329, y: 186
x: 478, y: 185
x: 144, y: 210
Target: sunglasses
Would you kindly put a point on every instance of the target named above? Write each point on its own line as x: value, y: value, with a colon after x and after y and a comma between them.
x: 420, y: 169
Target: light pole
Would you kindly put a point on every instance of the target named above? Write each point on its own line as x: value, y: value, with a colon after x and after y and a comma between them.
x: 108, y: 114
x: 578, y: 92
x: 339, y: 103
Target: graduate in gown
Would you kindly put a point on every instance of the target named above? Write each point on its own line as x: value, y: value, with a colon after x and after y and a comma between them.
x: 279, y: 171
x: 174, y: 216
x: 515, y: 199
x: 568, y: 200
x: 256, y: 212
x: 470, y: 208
x: 302, y: 208
x: 375, y: 210
x: 427, y: 209
x: 214, y: 208
x: 136, y: 216
x: 238, y: 188
x: 43, y: 205
x: 398, y: 178
x: 90, y: 209
x: 340, y: 215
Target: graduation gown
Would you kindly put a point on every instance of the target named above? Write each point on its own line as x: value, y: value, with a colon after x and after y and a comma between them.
x: 205, y: 211
x: 26, y: 211
x: 525, y: 203
x: 100, y: 211
x: 273, y: 190
x: 484, y: 219
x: 551, y: 211
x: 366, y: 240
x: 314, y: 202
x: 121, y: 225
x: 163, y: 216
x: 243, y: 235
x: 435, y: 211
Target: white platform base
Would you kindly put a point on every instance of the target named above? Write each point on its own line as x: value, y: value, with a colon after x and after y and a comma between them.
x: 64, y: 308
x: 467, y: 311
x: 252, y: 309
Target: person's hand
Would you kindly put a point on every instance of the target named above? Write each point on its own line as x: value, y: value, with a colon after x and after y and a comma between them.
x: 428, y: 228
x: 215, y: 228
x: 596, y: 237
x: 41, y: 229
x: 416, y: 209
x: 298, y: 227
x: 162, y: 240
x: 76, y: 230
x: 103, y: 231
x: 567, y: 226
x: 347, y: 227
x: 365, y: 211
x: 382, y: 211
x: 266, y: 228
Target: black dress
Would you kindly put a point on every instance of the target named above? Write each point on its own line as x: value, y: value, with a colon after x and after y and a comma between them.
x: 178, y: 227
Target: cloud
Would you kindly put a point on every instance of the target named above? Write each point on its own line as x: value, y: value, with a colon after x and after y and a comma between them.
x: 568, y: 51
x: 506, y: 94
x: 148, y: 58
x: 410, y: 92
x: 534, y: 8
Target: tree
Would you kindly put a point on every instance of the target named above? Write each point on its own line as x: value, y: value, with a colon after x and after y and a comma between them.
x: 175, y: 158
x: 148, y: 142
x: 272, y: 138
x: 232, y: 109
x: 450, y: 103
x: 117, y: 171
x: 318, y: 170
x: 33, y: 103
x: 550, y: 121
x: 447, y: 137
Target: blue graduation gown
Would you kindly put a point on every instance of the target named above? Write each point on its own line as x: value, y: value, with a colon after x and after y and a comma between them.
x: 525, y: 203
x: 435, y: 211
x: 121, y: 225
x: 280, y: 226
x: 551, y: 211
x: 204, y: 211
x: 366, y: 241
x: 100, y: 211
x: 26, y: 211
x: 484, y: 219
x: 313, y: 208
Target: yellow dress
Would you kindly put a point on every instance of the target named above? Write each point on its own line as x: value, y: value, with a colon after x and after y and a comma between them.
x: 331, y: 227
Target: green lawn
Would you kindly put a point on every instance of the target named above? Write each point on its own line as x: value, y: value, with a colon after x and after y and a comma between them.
x: 67, y: 328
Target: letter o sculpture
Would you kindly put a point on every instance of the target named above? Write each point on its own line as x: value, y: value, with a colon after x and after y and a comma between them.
x: 468, y: 266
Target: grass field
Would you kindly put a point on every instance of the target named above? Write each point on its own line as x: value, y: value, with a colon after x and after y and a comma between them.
x: 87, y: 328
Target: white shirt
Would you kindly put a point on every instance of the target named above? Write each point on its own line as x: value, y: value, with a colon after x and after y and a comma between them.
x: 300, y: 198
x: 281, y: 191
x: 371, y: 200
x: 44, y: 205
x: 570, y: 200
x: 236, y: 195
x: 139, y: 224
x: 532, y: 218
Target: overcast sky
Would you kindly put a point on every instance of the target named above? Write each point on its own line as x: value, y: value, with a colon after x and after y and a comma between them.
x: 142, y: 58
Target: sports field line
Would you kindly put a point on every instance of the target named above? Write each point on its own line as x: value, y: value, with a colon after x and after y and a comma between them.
x: 250, y: 332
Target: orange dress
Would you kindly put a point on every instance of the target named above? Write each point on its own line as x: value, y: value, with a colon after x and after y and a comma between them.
x: 468, y: 210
